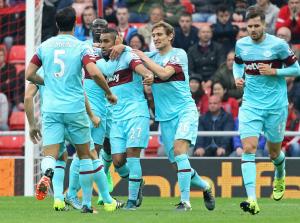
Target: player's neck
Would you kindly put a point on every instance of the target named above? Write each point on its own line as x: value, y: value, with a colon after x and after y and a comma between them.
x: 165, y: 50
x: 66, y: 33
x: 260, y: 40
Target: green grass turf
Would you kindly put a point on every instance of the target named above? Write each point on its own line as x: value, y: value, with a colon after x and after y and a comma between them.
x: 153, y: 210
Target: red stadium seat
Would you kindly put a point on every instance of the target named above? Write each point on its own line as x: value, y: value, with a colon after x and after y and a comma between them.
x: 296, y: 46
x: 152, y: 146
x: 12, y: 145
x: 17, y: 121
x: 137, y: 25
x: 17, y: 54
x: 198, y: 25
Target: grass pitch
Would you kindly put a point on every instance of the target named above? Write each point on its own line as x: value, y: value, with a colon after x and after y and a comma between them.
x: 153, y: 210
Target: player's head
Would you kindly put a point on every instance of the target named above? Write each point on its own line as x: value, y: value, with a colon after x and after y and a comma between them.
x: 108, y: 40
x: 255, y: 18
x: 65, y: 19
x: 98, y: 25
x: 163, y: 35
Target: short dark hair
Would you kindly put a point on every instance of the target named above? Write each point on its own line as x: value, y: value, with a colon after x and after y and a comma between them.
x: 110, y: 31
x: 169, y: 29
x: 185, y: 14
x: 65, y: 19
x: 222, y: 8
x: 253, y: 12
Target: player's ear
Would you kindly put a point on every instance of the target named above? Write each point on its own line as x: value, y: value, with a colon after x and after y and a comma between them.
x: 171, y: 37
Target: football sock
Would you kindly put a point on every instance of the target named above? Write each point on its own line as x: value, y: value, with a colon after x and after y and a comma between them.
x: 58, y: 180
x: 86, y: 180
x: 135, y: 177
x: 184, y: 176
x: 249, y: 174
x: 279, y: 164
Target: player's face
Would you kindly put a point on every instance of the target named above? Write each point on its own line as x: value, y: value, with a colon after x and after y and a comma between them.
x: 256, y: 28
x: 107, y: 41
x: 160, y: 38
x: 98, y: 27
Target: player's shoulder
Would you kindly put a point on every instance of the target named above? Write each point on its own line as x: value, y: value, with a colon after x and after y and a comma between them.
x: 276, y: 42
x: 48, y: 42
x: 128, y: 54
x: 179, y: 51
x: 243, y: 41
x: 178, y: 55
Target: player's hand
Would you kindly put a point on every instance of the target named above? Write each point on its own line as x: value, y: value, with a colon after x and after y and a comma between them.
x: 141, y: 54
x: 96, y: 121
x: 35, y: 134
x: 265, y: 69
x: 116, y: 51
x: 220, y: 151
x: 239, y: 83
x: 199, y: 152
x: 112, y: 98
x: 148, y: 79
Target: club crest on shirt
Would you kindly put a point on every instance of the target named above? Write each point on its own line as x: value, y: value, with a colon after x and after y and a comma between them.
x: 267, y: 53
x: 174, y: 60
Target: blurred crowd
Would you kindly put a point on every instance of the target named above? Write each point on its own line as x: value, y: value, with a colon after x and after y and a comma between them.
x: 206, y: 29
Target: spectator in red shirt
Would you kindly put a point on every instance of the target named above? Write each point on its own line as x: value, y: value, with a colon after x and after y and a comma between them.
x: 291, y: 144
x: 289, y: 16
x: 198, y: 94
x: 229, y: 104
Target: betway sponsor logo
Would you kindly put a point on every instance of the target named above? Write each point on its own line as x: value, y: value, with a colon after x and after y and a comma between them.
x: 114, y: 78
x: 255, y: 66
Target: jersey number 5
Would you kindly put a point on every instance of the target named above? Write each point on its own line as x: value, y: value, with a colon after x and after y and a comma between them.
x: 60, y: 62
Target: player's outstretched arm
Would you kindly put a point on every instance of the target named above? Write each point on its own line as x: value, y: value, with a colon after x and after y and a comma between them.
x: 32, y: 76
x: 290, y: 71
x: 95, y: 119
x: 164, y: 73
x: 34, y: 132
x: 145, y: 73
x: 98, y: 77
